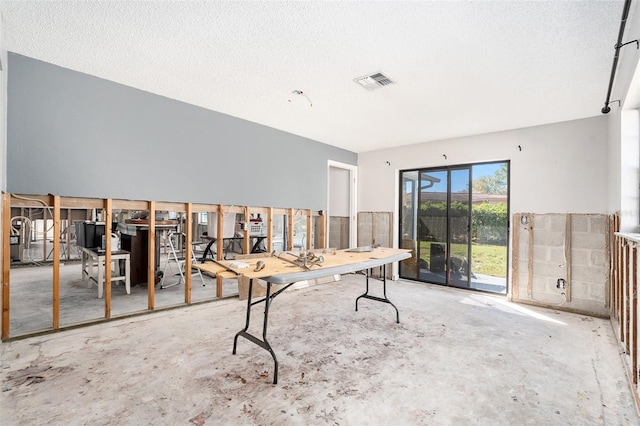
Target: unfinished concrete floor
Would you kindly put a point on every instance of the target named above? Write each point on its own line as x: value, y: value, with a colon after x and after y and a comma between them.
x: 456, y: 358
x: 31, y: 295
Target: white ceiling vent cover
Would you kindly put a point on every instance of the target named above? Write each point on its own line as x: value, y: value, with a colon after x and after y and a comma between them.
x: 373, y: 81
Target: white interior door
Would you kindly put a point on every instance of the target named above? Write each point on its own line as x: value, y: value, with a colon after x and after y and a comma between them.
x: 341, y: 203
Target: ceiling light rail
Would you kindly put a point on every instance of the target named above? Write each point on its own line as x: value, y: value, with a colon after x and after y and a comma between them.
x: 618, y: 46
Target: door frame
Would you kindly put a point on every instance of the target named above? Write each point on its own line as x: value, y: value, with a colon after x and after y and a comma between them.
x: 449, y: 168
x: 353, y: 200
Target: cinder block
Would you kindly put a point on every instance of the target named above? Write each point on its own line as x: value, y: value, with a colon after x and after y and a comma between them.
x: 589, y: 257
x: 589, y: 274
x: 539, y: 284
x: 547, y: 269
x: 587, y: 291
x: 587, y: 240
x: 549, y: 222
x: 540, y: 222
x: 579, y: 290
x: 523, y: 279
x: 580, y: 257
x: 540, y: 253
x: 548, y: 238
x: 579, y: 223
x: 551, y: 285
x: 598, y: 223
x: 557, y: 222
x: 597, y: 293
x: 598, y: 258
x: 557, y: 255
x: 382, y: 225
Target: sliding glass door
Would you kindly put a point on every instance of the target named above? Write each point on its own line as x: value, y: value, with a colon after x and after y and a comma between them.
x: 455, y: 219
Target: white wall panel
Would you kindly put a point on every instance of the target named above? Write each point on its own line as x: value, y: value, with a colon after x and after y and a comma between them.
x: 558, y: 168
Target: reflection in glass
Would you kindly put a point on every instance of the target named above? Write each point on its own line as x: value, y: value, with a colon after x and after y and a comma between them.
x: 455, y: 220
x: 432, y: 227
x: 490, y: 227
x: 457, y: 265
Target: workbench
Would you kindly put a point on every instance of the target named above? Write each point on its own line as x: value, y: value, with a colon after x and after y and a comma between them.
x: 280, y: 270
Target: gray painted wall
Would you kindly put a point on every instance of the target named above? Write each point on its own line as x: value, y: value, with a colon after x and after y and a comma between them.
x: 73, y: 134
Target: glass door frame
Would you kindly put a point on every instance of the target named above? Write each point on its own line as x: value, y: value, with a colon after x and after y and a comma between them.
x: 448, y: 169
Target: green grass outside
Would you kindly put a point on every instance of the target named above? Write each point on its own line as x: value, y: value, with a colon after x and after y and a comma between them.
x: 486, y: 259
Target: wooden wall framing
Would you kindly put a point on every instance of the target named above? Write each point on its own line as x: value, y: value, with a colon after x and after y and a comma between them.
x: 623, y: 298
x: 57, y: 204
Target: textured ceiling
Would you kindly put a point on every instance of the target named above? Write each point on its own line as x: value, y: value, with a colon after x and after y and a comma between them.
x: 459, y: 67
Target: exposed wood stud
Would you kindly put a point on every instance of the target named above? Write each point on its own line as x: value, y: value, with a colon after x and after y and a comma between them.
x: 608, y: 254
x: 614, y: 271
x: 246, y: 242
x: 309, y: 230
x: 203, y: 208
x: 627, y: 296
x: 67, y: 235
x: 634, y: 313
x: 172, y: 207
x: 188, y: 249
x: 270, y: 229
x: 6, y: 262
x: 56, y: 259
x: 38, y: 201
x: 107, y: 257
x: 567, y: 256
x: 290, y: 214
x: 219, y: 247
x: 515, y: 260
x: 530, y: 261
x: 620, y: 292
x: 44, y: 232
x: 151, y: 256
x: 129, y: 205
x: 624, y: 300
x: 323, y: 231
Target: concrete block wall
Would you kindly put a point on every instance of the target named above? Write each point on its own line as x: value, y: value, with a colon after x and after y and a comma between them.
x: 549, y: 260
x: 339, y: 232
x: 590, y: 263
x: 571, y: 247
x: 375, y: 228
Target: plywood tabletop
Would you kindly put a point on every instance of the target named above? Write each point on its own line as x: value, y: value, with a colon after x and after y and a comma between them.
x: 335, y: 261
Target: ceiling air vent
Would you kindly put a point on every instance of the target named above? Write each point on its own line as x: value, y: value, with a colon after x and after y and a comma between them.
x: 373, y: 81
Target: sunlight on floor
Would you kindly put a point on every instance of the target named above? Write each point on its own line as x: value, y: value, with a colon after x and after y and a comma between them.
x: 506, y: 306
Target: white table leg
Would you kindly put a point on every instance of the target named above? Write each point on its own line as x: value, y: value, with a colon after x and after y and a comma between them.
x: 127, y: 280
x: 84, y: 266
x: 100, y: 277
x: 90, y: 260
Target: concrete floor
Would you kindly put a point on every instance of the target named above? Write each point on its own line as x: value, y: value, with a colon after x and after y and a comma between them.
x: 456, y: 358
x: 31, y: 296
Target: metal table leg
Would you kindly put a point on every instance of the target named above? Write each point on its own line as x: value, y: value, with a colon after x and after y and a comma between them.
x: 384, y: 299
x: 264, y: 343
